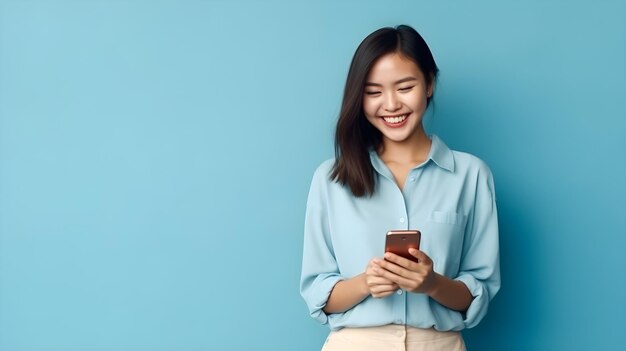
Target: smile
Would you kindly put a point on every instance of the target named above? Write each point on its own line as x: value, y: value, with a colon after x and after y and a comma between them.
x: 395, y: 121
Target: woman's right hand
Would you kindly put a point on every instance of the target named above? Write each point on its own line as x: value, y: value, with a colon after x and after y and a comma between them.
x: 377, y: 285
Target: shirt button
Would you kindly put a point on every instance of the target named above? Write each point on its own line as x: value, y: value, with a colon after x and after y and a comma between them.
x: 401, y: 219
x: 412, y: 179
x: 399, y: 292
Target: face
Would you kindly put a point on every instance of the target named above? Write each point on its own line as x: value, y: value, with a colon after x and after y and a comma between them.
x: 395, y: 98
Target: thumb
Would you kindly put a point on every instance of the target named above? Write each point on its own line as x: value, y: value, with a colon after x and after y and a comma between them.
x: 420, y: 255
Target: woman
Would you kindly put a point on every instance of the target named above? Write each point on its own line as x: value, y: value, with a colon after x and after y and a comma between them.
x: 389, y: 174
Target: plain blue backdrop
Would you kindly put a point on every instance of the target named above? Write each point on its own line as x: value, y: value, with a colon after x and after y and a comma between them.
x: 155, y: 158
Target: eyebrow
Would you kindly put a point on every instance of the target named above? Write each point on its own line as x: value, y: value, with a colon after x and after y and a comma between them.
x: 407, y: 79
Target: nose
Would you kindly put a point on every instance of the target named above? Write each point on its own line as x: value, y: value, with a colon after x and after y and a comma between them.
x: 391, y: 103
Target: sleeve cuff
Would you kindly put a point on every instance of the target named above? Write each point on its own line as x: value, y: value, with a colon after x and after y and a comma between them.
x: 480, y: 303
x: 319, y: 296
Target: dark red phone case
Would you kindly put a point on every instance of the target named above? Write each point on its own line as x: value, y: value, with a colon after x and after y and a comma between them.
x: 400, y: 241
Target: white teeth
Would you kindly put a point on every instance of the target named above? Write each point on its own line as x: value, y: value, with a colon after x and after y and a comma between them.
x: 394, y: 120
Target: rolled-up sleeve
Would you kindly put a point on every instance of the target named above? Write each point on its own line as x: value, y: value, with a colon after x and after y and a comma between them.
x: 319, y: 267
x: 480, y: 261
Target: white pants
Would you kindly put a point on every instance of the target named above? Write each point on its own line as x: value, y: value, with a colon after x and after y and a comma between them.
x: 393, y: 337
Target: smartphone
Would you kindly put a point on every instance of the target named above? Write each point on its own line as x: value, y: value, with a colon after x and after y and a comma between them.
x: 400, y: 241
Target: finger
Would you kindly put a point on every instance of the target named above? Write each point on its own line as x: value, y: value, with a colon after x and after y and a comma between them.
x: 381, y: 295
x: 408, y: 284
x: 409, y: 281
x: 404, y: 278
x: 374, y: 270
x: 399, y: 265
x: 421, y: 256
x: 373, y: 263
x: 401, y: 261
x: 378, y: 280
x: 383, y: 288
x: 383, y: 291
x: 376, y: 262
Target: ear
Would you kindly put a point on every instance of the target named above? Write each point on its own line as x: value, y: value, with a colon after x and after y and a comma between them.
x: 430, y: 89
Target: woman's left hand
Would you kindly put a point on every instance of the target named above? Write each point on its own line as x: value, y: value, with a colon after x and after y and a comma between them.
x: 417, y: 277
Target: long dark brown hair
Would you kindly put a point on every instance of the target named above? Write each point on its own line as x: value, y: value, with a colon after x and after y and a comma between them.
x: 354, y: 135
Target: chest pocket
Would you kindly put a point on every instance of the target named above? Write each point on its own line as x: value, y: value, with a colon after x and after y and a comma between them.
x: 442, y: 240
x: 451, y: 218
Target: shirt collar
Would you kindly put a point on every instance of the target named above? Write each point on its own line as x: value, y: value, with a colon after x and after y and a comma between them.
x: 439, y: 153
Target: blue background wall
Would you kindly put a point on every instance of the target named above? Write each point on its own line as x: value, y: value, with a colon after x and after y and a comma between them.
x: 155, y: 159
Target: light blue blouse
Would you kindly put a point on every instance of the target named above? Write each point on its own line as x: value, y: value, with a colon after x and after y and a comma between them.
x: 450, y: 198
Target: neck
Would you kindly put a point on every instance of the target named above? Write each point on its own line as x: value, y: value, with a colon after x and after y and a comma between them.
x: 413, y: 150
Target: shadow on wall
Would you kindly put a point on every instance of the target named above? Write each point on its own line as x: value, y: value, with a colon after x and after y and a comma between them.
x: 516, y: 309
x: 513, y: 312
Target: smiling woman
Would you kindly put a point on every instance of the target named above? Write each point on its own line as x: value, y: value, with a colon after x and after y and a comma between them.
x: 389, y: 174
x: 390, y: 102
x: 396, y: 97
x: 368, y: 85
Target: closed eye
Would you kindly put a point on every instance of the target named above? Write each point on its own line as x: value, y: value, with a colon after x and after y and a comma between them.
x: 372, y: 92
x: 407, y: 88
